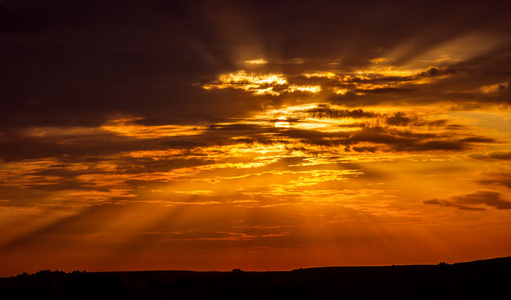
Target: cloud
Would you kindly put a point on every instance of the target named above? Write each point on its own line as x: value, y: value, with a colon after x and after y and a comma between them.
x: 359, y: 81
x: 437, y: 71
x: 398, y: 118
x: 259, y: 84
x: 58, y: 83
x: 402, y: 119
x: 497, y: 178
x: 442, y: 145
x: 322, y: 111
x: 488, y: 198
x: 122, y: 134
x: 259, y: 61
x: 484, y: 197
x: 477, y: 139
x: 317, y: 124
x: 496, y: 155
x: 379, y: 60
x: 446, y: 203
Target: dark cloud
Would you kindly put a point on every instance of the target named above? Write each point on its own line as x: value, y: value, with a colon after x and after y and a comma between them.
x: 27, y: 147
x: 368, y: 131
x: 496, y: 155
x: 239, y: 127
x: 488, y: 198
x: 405, y: 140
x: 365, y: 149
x: 477, y: 140
x: 62, y: 184
x: 435, y: 71
x: 383, y: 90
x: 371, y: 78
x: 70, y: 63
x: 438, y: 145
x: 398, y: 118
x: 38, y: 16
x: 484, y: 197
x: 503, y: 89
x: 446, y: 203
x: 497, y: 178
x: 402, y: 119
x: 326, y: 111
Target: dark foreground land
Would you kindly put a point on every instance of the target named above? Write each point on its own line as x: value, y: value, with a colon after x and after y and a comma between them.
x: 486, y: 279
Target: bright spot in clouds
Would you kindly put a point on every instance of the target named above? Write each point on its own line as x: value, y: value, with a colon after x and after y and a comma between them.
x: 282, y: 123
x: 260, y: 61
x: 260, y: 84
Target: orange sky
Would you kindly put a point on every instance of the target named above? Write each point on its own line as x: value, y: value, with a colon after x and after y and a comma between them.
x: 221, y: 135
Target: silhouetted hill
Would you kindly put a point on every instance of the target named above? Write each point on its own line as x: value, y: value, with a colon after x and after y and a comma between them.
x: 484, y: 279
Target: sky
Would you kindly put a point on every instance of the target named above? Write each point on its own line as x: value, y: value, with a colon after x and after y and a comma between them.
x: 260, y: 135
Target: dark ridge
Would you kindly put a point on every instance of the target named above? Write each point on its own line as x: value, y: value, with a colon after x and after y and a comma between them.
x: 483, y: 279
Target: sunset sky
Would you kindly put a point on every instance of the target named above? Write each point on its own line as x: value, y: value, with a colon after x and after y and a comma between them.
x: 260, y: 135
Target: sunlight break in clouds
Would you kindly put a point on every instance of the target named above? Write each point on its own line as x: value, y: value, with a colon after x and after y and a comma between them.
x: 128, y: 127
x: 272, y: 84
x: 360, y: 82
x: 259, y: 61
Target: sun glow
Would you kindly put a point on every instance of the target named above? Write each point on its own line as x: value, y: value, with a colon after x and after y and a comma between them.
x: 260, y: 84
x: 128, y: 127
x: 259, y: 61
x: 282, y: 123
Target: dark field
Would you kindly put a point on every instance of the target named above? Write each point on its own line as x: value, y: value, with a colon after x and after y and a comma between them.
x: 486, y: 279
